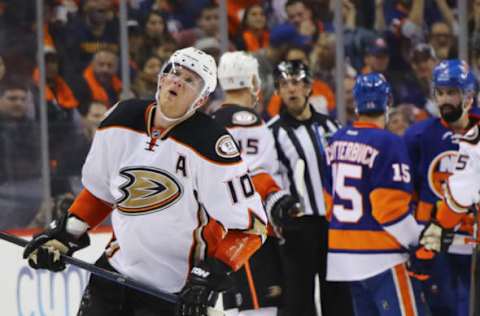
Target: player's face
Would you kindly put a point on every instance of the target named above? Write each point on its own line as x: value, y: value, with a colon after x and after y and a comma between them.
x: 449, y: 101
x: 179, y: 88
x: 294, y: 94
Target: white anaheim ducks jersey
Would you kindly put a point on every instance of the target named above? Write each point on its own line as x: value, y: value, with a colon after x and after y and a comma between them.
x: 255, y: 140
x: 175, y: 194
x: 463, y: 186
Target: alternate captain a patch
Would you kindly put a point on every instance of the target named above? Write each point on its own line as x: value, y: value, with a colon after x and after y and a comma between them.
x: 147, y: 190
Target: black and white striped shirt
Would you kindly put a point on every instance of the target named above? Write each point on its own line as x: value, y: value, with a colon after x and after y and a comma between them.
x: 304, y: 140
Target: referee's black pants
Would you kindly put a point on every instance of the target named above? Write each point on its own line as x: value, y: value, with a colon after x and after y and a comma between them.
x: 305, y: 258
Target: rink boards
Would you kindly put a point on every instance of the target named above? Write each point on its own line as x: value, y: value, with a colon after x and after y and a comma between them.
x: 28, y: 292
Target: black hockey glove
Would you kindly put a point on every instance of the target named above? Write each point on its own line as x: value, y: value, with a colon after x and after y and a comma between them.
x: 205, y: 282
x: 282, y: 209
x: 45, y: 249
x: 435, y: 237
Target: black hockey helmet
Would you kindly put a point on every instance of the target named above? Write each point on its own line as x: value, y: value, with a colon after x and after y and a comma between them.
x: 291, y: 69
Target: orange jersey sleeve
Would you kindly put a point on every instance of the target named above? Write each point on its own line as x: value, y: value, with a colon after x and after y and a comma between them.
x: 446, y: 217
x: 264, y: 184
x: 89, y: 208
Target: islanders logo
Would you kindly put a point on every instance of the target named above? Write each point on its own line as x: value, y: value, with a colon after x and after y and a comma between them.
x: 441, y: 167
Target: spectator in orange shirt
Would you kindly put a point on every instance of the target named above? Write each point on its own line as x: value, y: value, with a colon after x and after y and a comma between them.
x: 99, y: 81
x: 58, y: 94
x: 254, y: 34
x: 63, y: 119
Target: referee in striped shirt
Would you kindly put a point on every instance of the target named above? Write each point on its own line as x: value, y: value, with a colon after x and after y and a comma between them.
x: 301, y: 134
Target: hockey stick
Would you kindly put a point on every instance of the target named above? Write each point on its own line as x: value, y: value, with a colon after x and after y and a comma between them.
x: 474, y: 308
x: 299, y: 179
x: 109, y: 275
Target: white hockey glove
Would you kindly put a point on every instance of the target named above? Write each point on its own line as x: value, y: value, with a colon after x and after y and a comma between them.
x: 435, y: 237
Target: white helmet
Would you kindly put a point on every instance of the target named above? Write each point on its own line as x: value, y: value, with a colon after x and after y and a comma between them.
x: 200, y: 63
x: 236, y: 70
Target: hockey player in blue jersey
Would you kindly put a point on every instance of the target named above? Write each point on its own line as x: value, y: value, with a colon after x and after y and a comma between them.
x: 371, y: 224
x: 433, y: 146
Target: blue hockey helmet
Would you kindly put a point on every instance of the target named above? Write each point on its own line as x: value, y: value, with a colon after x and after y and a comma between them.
x: 472, y: 83
x: 452, y: 73
x: 372, y: 93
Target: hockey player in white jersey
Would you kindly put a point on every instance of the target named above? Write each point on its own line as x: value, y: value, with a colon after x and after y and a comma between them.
x: 259, y: 282
x: 184, y: 211
x: 461, y: 191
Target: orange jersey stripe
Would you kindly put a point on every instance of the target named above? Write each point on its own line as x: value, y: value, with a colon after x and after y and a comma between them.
x: 89, y: 208
x: 446, y: 216
x: 237, y: 247
x: 361, y: 240
x: 389, y: 204
x: 213, y: 233
x: 264, y: 184
x: 424, y: 210
x: 404, y: 291
x: 328, y: 205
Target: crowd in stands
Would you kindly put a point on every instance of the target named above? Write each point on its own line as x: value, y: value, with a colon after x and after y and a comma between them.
x: 401, y: 39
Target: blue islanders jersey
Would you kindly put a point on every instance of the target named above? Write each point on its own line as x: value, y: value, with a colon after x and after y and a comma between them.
x: 371, y: 224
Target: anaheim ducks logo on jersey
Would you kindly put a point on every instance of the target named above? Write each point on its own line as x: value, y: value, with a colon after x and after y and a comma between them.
x: 440, y: 169
x: 147, y: 190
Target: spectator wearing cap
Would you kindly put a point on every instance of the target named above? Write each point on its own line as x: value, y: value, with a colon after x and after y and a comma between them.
x: 91, y: 30
x: 253, y: 34
x: 376, y: 57
x: 99, y: 81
